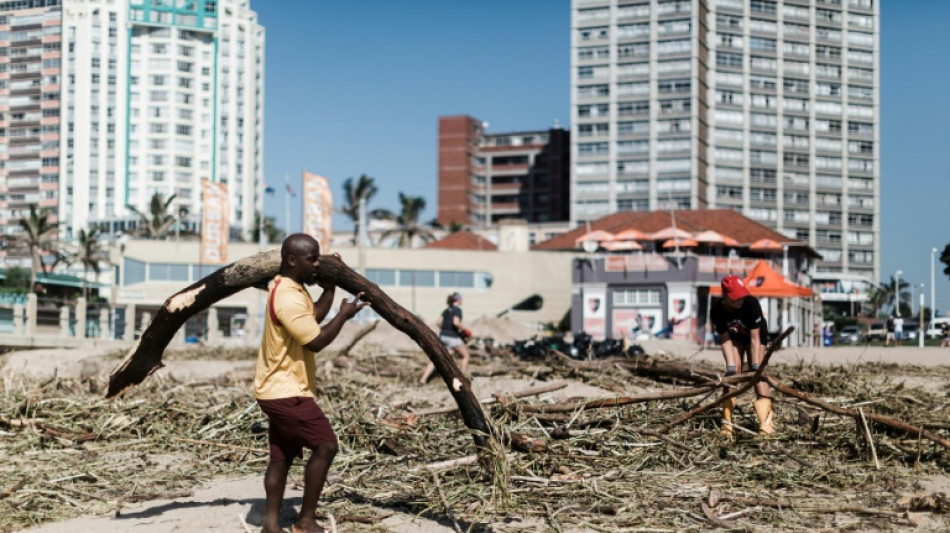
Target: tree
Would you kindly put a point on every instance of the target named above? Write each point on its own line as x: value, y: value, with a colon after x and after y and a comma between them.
x: 408, y: 228
x: 945, y: 259
x: 90, y: 253
x: 38, y: 235
x: 159, y: 221
x: 904, y: 296
x: 878, y: 298
x: 272, y: 233
x: 362, y: 188
x: 18, y: 279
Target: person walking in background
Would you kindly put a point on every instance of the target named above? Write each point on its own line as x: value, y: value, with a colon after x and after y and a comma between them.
x: 742, y: 330
x: 946, y: 335
x: 451, y: 333
x: 898, y: 330
x: 889, y: 335
x: 285, y: 379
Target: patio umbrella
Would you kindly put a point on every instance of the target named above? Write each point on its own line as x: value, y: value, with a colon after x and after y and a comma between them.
x: 766, y: 245
x: 631, y: 235
x: 712, y: 237
x: 615, y: 246
x: 683, y: 243
x: 671, y: 233
x: 595, y: 236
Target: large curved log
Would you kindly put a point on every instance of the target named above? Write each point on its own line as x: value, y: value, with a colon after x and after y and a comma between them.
x: 256, y: 271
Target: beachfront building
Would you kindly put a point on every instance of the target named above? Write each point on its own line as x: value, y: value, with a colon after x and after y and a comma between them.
x: 488, y: 177
x: 767, y: 107
x: 106, y: 102
x: 648, y: 273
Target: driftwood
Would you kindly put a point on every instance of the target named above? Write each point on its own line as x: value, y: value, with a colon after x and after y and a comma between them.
x: 568, y: 407
x: 646, y: 366
x: 359, y: 336
x: 145, y: 357
x: 903, y: 427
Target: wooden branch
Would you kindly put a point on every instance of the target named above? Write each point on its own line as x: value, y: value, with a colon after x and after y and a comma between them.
x: 751, y: 383
x: 568, y: 407
x: 498, y: 398
x: 903, y: 427
x: 359, y: 336
x: 807, y: 507
x: 146, y: 356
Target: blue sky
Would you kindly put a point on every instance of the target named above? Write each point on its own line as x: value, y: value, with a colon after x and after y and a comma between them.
x: 357, y: 87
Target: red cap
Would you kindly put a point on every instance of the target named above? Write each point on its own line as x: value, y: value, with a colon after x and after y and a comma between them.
x: 733, y: 287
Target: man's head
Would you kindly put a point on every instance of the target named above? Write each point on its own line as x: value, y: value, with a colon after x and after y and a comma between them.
x: 299, y: 257
x: 733, y: 291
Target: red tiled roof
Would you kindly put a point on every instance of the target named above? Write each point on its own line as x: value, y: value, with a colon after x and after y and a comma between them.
x: 724, y: 221
x: 463, y: 240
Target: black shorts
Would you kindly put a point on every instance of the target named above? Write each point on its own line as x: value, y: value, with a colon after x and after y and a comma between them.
x: 295, y: 424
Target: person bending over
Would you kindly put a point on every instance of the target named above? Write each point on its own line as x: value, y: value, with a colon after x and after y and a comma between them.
x: 742, y: 331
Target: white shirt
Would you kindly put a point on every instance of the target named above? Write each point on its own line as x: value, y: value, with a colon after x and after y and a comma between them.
x: 898, y: 325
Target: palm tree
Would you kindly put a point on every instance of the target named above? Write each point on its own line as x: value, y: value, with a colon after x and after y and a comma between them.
x: 878, y: 298
x: 38, y: 235
x: 904, y: 295
x: 271, y: 232
x: 408, y: 227
x: 353, y: 191
x: 90, y: 254
x: 158, y: 222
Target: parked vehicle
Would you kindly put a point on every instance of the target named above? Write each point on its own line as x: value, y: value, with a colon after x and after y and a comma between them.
x: 876, y: 332
x: 911, y: 329
x: 851, y: 335
x: 936, y: 327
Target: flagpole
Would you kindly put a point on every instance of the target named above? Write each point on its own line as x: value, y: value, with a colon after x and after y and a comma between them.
x: 287, y: 203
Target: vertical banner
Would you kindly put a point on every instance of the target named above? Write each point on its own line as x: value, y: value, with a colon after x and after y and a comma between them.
x: 681, y: 313
x: 215, y: 228
x: 595, y: 313
x: 317, y: 209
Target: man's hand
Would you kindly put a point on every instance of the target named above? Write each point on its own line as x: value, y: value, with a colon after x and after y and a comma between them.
x: 349, y: 308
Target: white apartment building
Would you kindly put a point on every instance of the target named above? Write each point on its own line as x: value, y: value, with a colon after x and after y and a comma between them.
x: 148, y: 96
x: 769, y: 107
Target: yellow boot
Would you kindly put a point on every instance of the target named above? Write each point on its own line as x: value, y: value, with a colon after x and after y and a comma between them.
x: 727, y: 407
x: 763, y: 409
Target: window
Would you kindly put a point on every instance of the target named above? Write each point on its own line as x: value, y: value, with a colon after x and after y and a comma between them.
x: 762, y: 6
x: 828, y: 52
x: 678, y: 46
x: 587, y: 169
x: 861, y: 73
x: 767, y: 121
x: 733, y: 136
x: 633, y: 167
x: 728, y: 78
x: 633, y: 147
x: 417, y: 278
x: 633, y: 31
x: 828, y: 34
x: 456, y: 279
x: 583, y: 54
x: 625, y: 297
x: 635, y: 89
x: 828, y: 126
x: 860, y: 128
x: 673, y: 86
x: 762, y: 44
x: 728, y: 116
x: 592, y: 148
x: 634, y: 10
x: 672, y: 26
x: 860, y: 56
x: 633, y: 69
x: 594, y: 34
x: 669, y: 166
x: 674, y: 106
x: 796, y: 86
x: 763, y: 138
x: 729, y: 22
x: 633, y: 108
x: 861, y: 38
x: 795, y: 48
x: 589, y: 91
x: 828, y: 145
x: 133, y: 271
x: 763, y: 63
x: 728, y: 40
x: 762, y: 157
x: 633, y: 50
x: 762, y: 82
x: 861, y: 165
x: 792, y: 11
x: 727, y: 192
x: 795, y: 160
x: 826, y: 15
x: 828, y: 89
x: 728, y: 174
x: 726, y: 59
x: 763, y: 26
x: 862, y: 21
x: 639, y: 127
x: 728, y: 154
x: 673, y: 145
x: 587, y: 130
x: 596, y: 110
x: 828, y: 71
x: 381, y: 276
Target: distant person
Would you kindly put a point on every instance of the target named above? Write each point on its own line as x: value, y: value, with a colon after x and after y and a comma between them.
x: 742, y: 330
x: 898, y: 330
x: 889, y: 335
x: 285, y: 379
x: 946, y: 335
x: 451, y: 333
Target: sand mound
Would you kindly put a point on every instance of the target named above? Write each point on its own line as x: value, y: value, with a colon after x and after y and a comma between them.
x: 503, y: 330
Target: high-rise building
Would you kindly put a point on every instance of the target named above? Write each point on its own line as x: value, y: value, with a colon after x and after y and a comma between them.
x: 488, y: 177
x: 107, y: 102
x: 769, y: 107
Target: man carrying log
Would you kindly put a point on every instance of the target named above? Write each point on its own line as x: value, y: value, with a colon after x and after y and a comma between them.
x: 742, y: 330
x: 285, y: 379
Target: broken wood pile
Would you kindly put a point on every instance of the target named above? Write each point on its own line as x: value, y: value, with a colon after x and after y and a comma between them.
x: 609, y: 465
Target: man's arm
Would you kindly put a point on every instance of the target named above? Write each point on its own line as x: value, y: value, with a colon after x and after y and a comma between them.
x: 323, y: 304
x: 756, y: 349
x: 328, y: 332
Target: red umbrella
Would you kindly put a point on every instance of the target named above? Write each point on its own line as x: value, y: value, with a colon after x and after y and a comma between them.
x: 631, y: 235
x: 766, y: 245
x: 683, y: 243
x: 622, y: 245
x: 596, y: 236
x: 712, y: 237
x: 671, y: 233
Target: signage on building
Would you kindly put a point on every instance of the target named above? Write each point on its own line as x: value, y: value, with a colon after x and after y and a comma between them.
x: 317, y: 209
x: 727, y: 265
x: 595, y: 313
x: 636, y: 263
x: 215, y: 227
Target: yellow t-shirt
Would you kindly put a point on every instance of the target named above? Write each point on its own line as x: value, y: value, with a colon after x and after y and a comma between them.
x: 285, y: 369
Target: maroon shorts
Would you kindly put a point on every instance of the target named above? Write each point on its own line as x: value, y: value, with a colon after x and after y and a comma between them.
x: 295, y: 424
